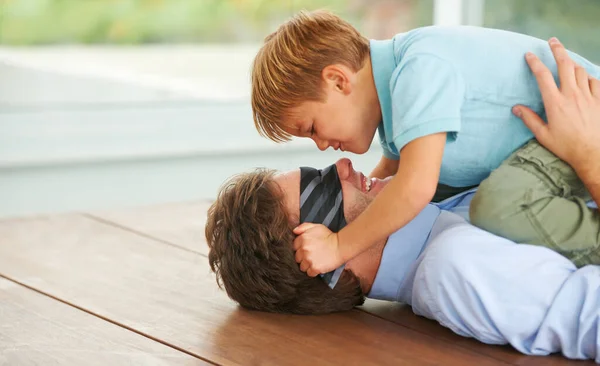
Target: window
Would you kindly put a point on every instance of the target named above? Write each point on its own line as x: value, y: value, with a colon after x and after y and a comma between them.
x: 575, y: 22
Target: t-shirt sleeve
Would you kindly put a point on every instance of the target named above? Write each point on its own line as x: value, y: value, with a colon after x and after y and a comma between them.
x: 427, y: 97
x: 385, y: 147
x: 388, y: 154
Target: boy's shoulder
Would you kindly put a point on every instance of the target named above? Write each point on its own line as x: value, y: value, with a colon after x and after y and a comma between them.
x: 449, y: 32
x: 439, y: 39
x: 467, y: 50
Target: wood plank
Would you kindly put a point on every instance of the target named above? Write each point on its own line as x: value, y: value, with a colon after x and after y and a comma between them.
x: 403, y: 315
x: 168, y: 293
x: 38, y: 330
x: 179, y: 224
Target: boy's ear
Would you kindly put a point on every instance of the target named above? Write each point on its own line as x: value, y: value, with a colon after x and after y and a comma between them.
x: 338, y: 78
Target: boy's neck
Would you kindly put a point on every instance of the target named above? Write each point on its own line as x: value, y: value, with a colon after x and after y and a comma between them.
x: 366, y: 81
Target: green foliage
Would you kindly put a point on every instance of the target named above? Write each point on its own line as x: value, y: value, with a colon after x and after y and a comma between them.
x: 29, y: 22
x: 143, y: 21
x: 575, y: 22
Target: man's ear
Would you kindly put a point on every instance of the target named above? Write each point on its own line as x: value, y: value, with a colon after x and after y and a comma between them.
x: 338, y: 78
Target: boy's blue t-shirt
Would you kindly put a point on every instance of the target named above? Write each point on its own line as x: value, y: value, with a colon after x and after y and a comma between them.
x: 464, y: 81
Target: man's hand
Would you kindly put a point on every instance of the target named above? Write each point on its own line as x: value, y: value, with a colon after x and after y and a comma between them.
x: 317, y: 249
x: 573, y: 111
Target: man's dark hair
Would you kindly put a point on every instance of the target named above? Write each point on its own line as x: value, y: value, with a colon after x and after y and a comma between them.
x: 250, y: 238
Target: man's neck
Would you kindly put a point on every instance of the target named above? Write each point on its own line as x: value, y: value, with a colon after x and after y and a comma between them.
x: 365, y: 265
x: 385, y: 267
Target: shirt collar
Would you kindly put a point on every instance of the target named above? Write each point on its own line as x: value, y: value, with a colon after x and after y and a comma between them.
x: 401, y: 251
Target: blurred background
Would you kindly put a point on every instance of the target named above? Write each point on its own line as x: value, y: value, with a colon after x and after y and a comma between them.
x: 114, y: 103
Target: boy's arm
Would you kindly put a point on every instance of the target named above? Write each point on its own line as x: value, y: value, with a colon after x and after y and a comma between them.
x: 385, y: 168
x: 405, y: 196
x: 427, y: 94
x: 400, y: 201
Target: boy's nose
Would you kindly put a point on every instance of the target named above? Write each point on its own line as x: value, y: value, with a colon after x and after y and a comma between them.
x: 322, y: 145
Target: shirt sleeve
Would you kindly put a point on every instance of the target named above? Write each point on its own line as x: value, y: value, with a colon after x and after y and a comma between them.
x: 390, y: 155
x: 384, y: 146
x: 498, y: 292
x: 427, y: 96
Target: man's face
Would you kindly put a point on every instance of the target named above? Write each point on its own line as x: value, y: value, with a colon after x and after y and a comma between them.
x: 355, y: 192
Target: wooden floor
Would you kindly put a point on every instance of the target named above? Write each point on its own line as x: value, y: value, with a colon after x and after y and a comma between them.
x: 134, y: 288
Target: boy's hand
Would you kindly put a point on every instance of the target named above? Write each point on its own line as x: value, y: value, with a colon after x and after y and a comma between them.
x: 317, y: 249
x: 573, y: 110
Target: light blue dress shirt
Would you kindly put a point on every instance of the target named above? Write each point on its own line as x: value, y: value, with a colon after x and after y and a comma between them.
x: 489, y: 288
x: 463, y: 81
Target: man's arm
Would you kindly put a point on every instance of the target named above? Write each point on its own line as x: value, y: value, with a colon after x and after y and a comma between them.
x: 573, y: 110
x: 385, y: 168
x: 590, y: 176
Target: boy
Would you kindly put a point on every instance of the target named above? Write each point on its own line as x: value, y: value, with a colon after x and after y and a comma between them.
x: 441, y: 97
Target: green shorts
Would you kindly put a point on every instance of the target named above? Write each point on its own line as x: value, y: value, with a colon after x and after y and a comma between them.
x: 536, y: 198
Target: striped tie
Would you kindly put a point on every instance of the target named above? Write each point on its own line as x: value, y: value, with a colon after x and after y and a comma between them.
x: 321, y: 203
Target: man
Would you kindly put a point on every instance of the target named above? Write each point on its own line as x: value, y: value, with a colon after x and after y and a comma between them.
x: 477, y: 284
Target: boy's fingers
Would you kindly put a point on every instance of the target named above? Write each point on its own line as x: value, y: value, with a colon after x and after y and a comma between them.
x: 583, y: 80
x: 533, y: 122
x: 299, y: 256
x: 312, y: 273
x: 566, y: 66
x: 304, y: 266
x: 544, y: 78
x: 300, y: 229
x: 298, y: 243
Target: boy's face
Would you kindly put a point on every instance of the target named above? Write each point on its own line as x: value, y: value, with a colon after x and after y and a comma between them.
x: 348, y: 118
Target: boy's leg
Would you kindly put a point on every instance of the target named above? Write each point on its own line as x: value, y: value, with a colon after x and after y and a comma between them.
x: 536, y: 198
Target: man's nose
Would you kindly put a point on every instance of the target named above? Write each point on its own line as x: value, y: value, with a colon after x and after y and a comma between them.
x: 344, y: 168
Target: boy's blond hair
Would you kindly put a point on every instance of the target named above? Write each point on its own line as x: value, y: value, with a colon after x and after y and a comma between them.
x: 287, y: 69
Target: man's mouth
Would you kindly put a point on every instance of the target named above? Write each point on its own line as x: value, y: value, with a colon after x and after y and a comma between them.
x: 368, y: 183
